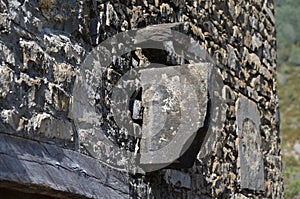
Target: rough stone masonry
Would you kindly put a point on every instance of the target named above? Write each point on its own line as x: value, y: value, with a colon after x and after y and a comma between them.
x: 43, y: 153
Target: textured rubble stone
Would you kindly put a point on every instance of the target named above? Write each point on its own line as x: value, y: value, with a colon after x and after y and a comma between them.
x: 178, y: 179
x: 6, y: 54
x: 6, y: 80
x: 56, y: 97
x: 10, y: 117
x: 47, y: 4
x: 47, y: 126
x: 44, y: 42
x: 4, y: 18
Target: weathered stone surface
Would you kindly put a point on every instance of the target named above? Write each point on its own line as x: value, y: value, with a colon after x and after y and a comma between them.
x: 218, y: 95
x: 250, y: 149
x: 46, y: 125
x: 6, y: 80
x: 38, y: 60
x: 178, y: 179
x: 43, y: 44
x: 4, y: 18
x: 6, y: 54
x: 137, y: 110
x: 34, y: 164
x: 175, y: 106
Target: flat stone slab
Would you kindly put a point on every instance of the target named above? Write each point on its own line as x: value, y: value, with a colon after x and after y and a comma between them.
x: 56, y: 171
x: 250, y: 154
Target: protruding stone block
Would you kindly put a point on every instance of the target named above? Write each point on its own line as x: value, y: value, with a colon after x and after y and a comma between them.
x: 175, y: 107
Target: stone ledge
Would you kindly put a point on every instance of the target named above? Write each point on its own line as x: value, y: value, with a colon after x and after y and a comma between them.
x: 33, y: 164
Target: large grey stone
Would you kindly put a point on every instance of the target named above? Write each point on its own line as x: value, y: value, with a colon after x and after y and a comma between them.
x: 175, y: 106
x: 250, y: 152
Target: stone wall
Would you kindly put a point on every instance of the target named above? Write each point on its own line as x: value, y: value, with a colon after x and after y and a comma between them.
x: 44, y: 43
